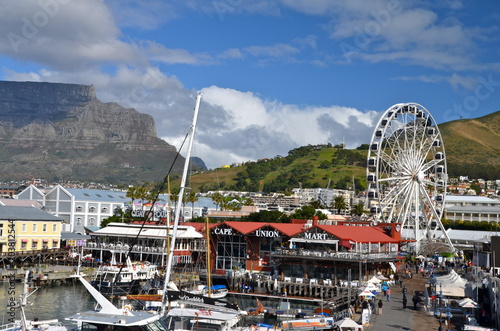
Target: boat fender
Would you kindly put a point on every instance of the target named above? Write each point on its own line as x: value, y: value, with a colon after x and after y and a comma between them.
x: 127, y: 309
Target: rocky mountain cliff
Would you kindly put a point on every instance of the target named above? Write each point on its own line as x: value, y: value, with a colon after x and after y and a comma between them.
x: 63, y: 132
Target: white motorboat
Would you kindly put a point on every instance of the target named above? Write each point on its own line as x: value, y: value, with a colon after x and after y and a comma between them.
x: 119, y: 279
x: 216, y: 291
x: 109, y: 317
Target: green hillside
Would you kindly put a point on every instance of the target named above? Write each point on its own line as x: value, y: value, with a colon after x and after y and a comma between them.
x: 309, y: 166
x: 472, y: 148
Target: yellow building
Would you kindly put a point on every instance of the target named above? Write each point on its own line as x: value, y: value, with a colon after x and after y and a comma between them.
x: 28, y: 229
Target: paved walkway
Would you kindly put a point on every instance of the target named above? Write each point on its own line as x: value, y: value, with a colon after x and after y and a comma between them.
x: 394, y: 317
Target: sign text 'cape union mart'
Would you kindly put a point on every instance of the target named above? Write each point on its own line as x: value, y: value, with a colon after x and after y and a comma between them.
x: 258, y: 233
x: 272, y: 234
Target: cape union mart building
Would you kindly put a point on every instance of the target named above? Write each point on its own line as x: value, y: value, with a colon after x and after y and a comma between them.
x: 302, y: 250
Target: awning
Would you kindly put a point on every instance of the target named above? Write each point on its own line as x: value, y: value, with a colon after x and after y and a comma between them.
x: 303, y: 240
x: 345, y: 243
x: 179, y: 253
x: 35, y: 240
x: 24, y: 240
x: 55, y: 240
x: 45, y: 240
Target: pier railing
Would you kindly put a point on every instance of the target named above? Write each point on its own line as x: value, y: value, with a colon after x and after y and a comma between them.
x: 351, y: 256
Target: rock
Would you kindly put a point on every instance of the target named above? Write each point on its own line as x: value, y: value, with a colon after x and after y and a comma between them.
x: 64, y: 132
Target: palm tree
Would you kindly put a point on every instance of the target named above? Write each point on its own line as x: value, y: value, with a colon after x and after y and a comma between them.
x: 339, y: 203
x: 217, y: 199
x: 358, y: 209
x: 191, y: 197
x: 132, y: 194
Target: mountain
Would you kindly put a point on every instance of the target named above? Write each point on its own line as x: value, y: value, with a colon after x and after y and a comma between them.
x: 63, y: 132
x: 473, y: 146
x: 472, y: 149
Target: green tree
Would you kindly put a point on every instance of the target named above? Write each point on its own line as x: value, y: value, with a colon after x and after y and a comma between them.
x: 268, y: 216
x: 192, y: 198
x: 217, y: 199
x: 307, y: 213
x: 358, y: 209
x: 339, y: 203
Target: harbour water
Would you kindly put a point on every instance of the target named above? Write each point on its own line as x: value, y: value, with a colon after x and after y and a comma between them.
x: 49, y: 302
x: 59, y: 302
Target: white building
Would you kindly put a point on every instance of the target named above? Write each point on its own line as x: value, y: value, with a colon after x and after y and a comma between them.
x: 472, y: 208
x: 78, y: 207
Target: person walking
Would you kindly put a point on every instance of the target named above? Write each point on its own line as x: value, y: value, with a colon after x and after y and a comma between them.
x: 415, y: 301
x: 404, y: 302
x: 380, y: 305
x: 388, y: 294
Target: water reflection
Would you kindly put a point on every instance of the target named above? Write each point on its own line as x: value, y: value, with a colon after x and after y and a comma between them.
x: 49, y: 302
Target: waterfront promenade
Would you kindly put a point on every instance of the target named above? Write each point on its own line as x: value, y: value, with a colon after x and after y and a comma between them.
x: 394, y: 317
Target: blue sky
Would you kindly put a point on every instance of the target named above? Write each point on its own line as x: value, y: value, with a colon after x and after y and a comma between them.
x: 274, y: 74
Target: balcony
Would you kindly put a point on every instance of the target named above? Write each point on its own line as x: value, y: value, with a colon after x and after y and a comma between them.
x: 323, y: 255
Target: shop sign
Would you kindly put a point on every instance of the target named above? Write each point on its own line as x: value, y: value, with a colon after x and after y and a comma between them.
x: 315, y: 236
x: 225, y: 232
x: 142, y: 213
x: 267, y: 233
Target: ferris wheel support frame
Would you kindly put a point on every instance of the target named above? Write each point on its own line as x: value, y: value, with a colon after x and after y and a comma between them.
x: 409, y: 163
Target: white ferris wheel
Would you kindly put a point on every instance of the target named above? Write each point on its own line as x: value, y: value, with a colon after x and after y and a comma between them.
x: 406, y: 172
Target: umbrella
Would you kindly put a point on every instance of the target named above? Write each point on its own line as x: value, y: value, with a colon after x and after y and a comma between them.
x: 348, y: 323
x: 382, y: 277
x: 468, y: 303
x: 420, y: 257
x: 366, y: 294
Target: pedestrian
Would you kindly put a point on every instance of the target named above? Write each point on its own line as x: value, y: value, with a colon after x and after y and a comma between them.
x: 405, y: 290
x: 388, y: 293
x: 440, y: 328
x: 380, y: 305
x: 404, y: 302
x: 415, y: 301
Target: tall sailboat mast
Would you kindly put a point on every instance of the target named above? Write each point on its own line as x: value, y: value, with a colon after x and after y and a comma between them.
x: 170, y: 255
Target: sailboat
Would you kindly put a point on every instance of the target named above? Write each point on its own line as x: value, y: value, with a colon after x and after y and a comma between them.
x: 215, y: 291
x: 211, y: 314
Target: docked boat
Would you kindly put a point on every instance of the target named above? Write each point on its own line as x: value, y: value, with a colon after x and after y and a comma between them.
x: 215, y: 291
x: 109, y: 317
x: 122, y: 279
x: 202, y: 313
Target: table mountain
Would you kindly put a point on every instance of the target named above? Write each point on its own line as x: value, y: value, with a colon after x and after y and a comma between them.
x: 63, y: 132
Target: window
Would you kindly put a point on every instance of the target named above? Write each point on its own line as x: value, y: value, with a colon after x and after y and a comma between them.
x: 44, y: 227
x: 91, y: 221
x: 231, y: 252
x: 23, y: 227
x: 1, y: 230
x: 54, y: 227
x: 33, y: 228
x: 104, y: 209
x: 24, y: 244
x: 92, y: 209
x: 34, y: 244
x: 78, y: 221
x: 79, y: 209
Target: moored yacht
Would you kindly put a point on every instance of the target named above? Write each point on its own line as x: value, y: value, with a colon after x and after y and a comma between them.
x: 110, y: 317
